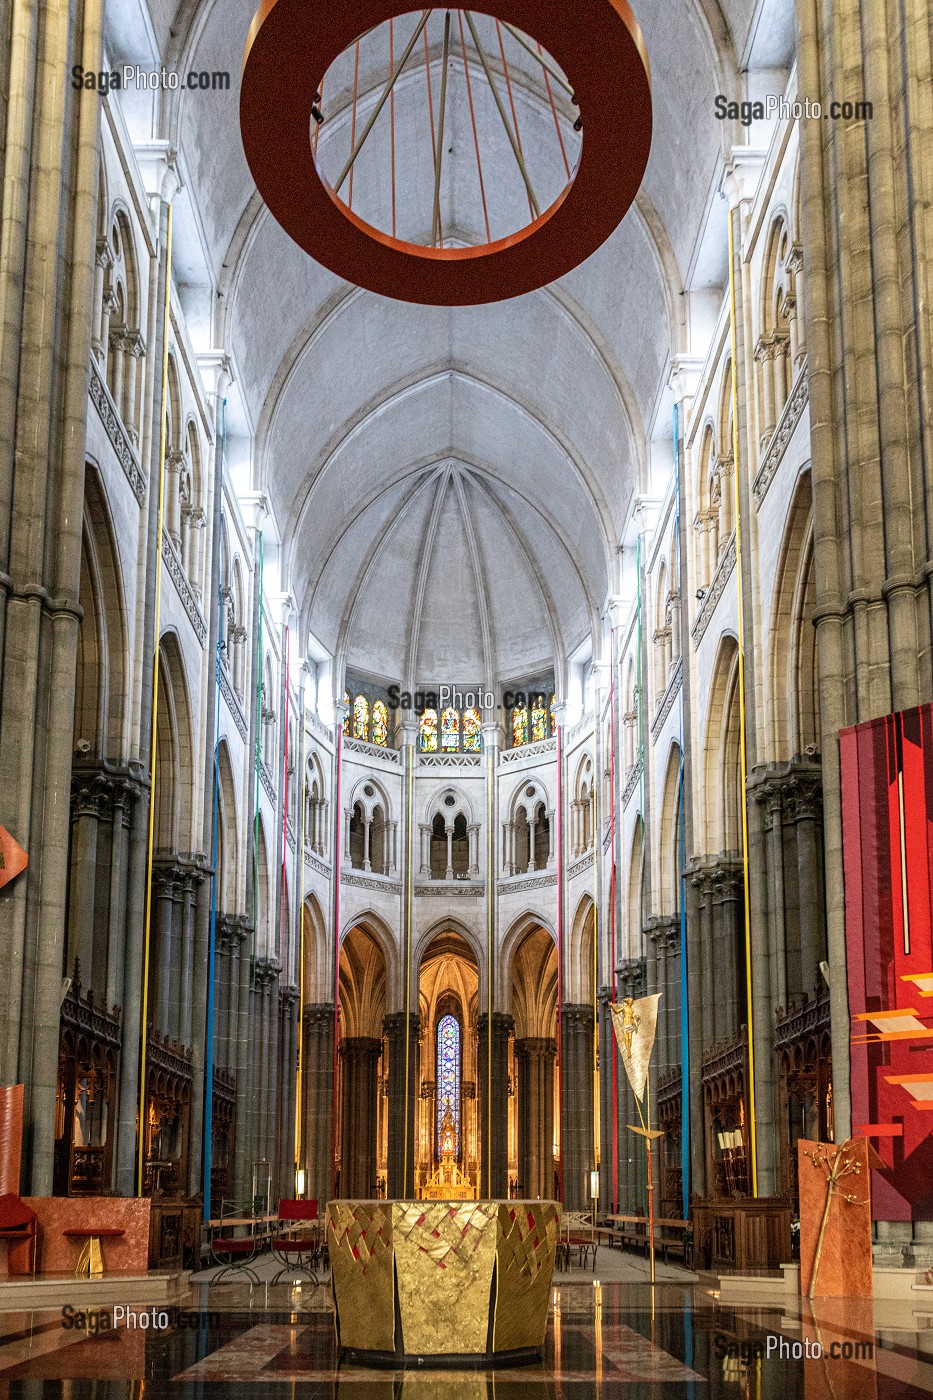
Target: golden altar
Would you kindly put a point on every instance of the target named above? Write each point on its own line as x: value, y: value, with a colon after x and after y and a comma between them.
x: 430, y: 1282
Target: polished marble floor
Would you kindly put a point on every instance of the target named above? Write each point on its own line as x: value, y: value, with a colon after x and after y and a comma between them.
x: 604, y: 1339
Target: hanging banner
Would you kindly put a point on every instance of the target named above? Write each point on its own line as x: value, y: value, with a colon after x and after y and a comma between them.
x: 635, y: 1021
x: 13, y: 859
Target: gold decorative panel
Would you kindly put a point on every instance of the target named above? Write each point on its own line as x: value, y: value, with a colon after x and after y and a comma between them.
x: 442, y: 1257
x: 527, y: 1244
x: 359, y: 1241
x: 445, y: 1255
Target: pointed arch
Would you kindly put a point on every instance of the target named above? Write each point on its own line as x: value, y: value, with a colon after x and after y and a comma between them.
x: 721, y: 754
x: 174, y: 773
x: 228, y: 834
x: 635, y: 900
x: 100, y: 680
x: 669, y: 853
x: 795, y: 703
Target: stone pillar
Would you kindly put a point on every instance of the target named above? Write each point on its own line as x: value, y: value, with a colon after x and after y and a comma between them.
x: 708, y: 991
x: 401, y: 1182
x: 473, y: 832
x: 318, y: 1100
x: 189, y: 888
x: 125, y: 796
x: 367, y: 842
x: 163, y: 971
x: 577, y: 1106
x: 494, y: 1107
x: 425, y: 832
x: 534, y: 1057
x: 85, y: 806
x: 806, y: 796
x: 359, y: 1061
x: 449, y: 873
x: 288, y: 1079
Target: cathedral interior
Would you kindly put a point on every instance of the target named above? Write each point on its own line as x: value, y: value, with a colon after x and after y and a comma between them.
x: 388, y: 689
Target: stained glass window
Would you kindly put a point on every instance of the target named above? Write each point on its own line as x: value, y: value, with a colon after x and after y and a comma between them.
x: 448, y: 1077
x: 519, y: 725
x: 472, y: 731
x: 450, y: 730
x: 553, y: 714
x: 538, y: 720
x: 428, y: 741
x: 361, y: 717
x: 346, y: 699
x: 380, y: 723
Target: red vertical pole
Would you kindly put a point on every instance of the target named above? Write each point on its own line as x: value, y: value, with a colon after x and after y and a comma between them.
x: 338, y: 843
x: 560, y: 965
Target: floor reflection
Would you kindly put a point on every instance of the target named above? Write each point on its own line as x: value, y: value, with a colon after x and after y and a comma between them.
x: 602, y: 1340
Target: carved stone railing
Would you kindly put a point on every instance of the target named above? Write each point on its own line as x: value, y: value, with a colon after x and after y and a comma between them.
x: 360, y: 746
x: 183, y: 588
x: 631, y: 782
x: 267, y: 782
x: 233, y: 704
x: 113, y: 427
x: 449, y: 760
x: 715, y: 591
x: 791, y: 414
x: 672, y: 690
x: 536, y: 750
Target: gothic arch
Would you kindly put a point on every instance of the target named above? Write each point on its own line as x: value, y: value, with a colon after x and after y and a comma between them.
x: 100, y: 681
x: 315, y: 953
x: 793, y: 674
x: 669, y: 852
x: 635, y: 901
x: 228, y: 834
x: 518, y: 931
x: 721, y: 754
x: 265, y: 940
x: 173, y: 788
x: 378, y: 930
x: 580, y: 986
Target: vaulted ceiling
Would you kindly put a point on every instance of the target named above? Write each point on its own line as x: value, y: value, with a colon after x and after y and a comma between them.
x: 429, y: 454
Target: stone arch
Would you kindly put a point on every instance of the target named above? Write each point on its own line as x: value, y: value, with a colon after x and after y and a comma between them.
x: 174, y: 769
x: 721, y: 753
x: 363, y: 982
x: 264, y: 909
x: 635, y: 900
x: 378, y: 930
x: 100, y: 680
x: 670, y: 856
x: 317, y: 989
x: 579, y: 958
x: 795, y: 705
x: 228, y: 834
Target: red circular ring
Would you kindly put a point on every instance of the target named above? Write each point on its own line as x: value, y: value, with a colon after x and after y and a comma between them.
x: 597, y: 43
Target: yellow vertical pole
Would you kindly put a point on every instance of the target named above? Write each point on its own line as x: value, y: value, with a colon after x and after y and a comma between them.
x: 490, y: 965
x: 597, y: 843
x: 147, y: 926
x: 752, y: 1134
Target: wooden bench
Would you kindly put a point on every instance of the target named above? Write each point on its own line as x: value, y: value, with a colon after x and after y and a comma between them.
x: 669, y: 1237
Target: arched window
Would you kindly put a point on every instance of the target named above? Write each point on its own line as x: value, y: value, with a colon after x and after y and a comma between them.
x: 380, y: 723
x: 472, y: 731
x: 428, y: 735
x: 357, y: 837
x: 361, y: 717
x: 538, y: 720
x: 448, y: 1079
x: 519, y: 725
x: 450, y: 730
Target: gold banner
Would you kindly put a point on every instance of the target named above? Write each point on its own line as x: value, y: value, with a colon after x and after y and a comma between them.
x: 635, y: 1022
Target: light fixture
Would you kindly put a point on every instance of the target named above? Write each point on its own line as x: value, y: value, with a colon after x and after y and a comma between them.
x: 300, y: 1183
x: 594, y: 1185
x: 308, y: 184
x: 701, y: 594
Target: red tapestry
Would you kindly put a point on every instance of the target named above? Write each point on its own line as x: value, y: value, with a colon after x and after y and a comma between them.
x: 887, y: 812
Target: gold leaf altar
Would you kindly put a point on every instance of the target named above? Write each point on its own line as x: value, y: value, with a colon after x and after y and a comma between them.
x: 470, y: 1277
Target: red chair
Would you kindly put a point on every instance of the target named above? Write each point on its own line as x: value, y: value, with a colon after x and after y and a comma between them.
x: 19, y: 1227
x: 296, y: 1253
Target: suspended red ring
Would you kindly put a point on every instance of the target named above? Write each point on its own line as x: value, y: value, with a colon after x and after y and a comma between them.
x: 597, y: 43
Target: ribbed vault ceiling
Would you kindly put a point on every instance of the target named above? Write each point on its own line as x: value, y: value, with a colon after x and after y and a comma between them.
x: 473, y: 465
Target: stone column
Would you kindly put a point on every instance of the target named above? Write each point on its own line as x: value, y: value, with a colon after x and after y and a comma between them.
x: 494, y: 1107
x: 318, y: 1099
x: 577, y: 1106
x: 189, y: 887
x: 359, y: 1061
x: 425, y: 849
x: 534, y: 1057
x: 85, y: 806
x: 164, y: 893
x: 125, y: 797
x: 367, y: 842
x: 449, y: 873
x: 400, y: 1182
x: 708, y: 995
x: 806, y: 805
x: 473, y: 832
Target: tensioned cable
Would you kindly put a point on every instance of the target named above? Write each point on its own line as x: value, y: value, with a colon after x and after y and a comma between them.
x: 550, y: 98
x: 356, y: 88
x: 508, y: 88
x: 479, y: 159
x: 520, y: 160
x: 439, y: 163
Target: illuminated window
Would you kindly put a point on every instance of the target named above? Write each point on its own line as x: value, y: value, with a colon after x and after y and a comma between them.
x: 380, y: 723
x: 361, y: 717
x: 519, y: 725
x: 553, y: 711
x: 538, y: 720
x: 428, y: 740
x: 450, y: 731
x: 472, y: 731
x: 448, y: 1079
